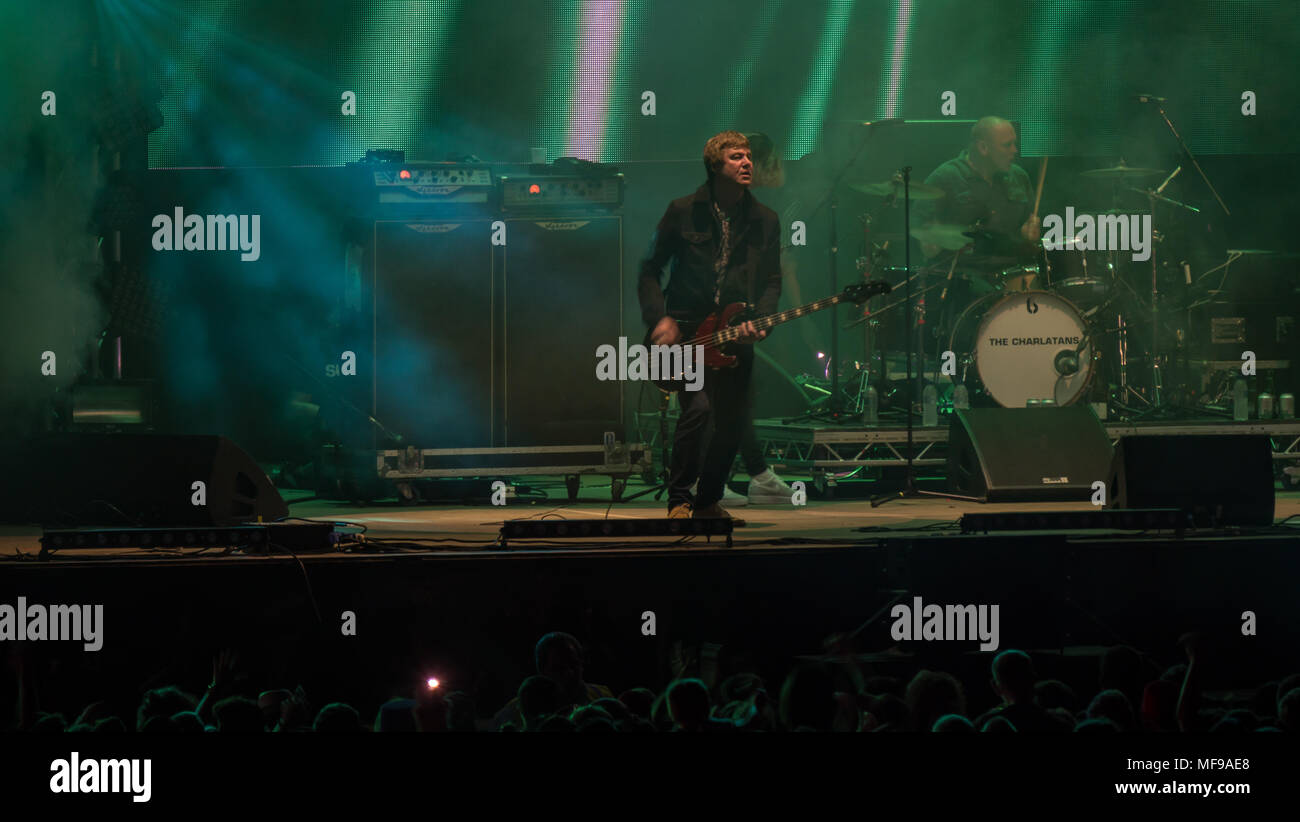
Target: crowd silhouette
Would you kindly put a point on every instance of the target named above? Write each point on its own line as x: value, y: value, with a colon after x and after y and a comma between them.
x: 1129, y: 694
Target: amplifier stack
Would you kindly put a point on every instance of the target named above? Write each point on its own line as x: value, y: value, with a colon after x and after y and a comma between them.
x: 484, y: 299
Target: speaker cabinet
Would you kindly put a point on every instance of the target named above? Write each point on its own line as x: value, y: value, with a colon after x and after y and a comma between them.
x: 134, y: 479
x: 1027, y: 454
x: 1220, y: 479
x: 563, y: 300
x: 482, y: 346
x: 434, y: 337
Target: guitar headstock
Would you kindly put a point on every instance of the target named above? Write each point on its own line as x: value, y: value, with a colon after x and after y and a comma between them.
x: 861, y: 292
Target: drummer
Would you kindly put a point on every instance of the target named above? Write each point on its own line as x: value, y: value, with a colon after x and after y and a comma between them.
x: 985, y: 190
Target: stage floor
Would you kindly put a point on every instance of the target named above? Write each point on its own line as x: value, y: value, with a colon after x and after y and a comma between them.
x: 431, y: 583
x: 460, y: 529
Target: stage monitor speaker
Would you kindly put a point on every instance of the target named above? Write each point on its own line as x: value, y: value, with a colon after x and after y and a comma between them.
x: 1222, y: 479
x: 134, y: 479
x: 1027, y: 454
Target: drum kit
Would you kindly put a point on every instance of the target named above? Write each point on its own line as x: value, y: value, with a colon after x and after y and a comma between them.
x: 1060, y: 324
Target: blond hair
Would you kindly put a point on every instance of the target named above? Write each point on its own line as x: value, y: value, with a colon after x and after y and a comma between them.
x: 715, y: 150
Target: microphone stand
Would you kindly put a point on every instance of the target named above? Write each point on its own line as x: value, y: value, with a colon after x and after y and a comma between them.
x: 1160, y: 107
x: 909, y: 489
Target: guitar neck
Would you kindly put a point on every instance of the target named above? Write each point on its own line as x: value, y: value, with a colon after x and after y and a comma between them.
x: 789, y: 314
x: 727, y: 335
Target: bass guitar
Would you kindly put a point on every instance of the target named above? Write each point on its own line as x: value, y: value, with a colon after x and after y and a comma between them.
x: 719, y: 331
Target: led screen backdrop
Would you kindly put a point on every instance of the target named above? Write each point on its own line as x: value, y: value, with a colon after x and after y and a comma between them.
x: 251, y: 83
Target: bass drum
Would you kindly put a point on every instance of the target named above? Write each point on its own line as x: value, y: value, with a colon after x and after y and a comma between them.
x: 1023, y: 347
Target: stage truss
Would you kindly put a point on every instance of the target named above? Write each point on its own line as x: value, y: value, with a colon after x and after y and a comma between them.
x: 827, y: 453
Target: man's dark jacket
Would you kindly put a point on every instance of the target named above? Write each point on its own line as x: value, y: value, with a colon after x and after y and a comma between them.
x: 689, y: 234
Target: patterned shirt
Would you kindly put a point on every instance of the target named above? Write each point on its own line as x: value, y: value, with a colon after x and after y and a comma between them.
x: 724, y: 252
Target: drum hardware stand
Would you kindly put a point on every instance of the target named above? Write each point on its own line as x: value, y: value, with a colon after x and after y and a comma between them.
x: 944, y: 319
x: 1156, y: 377
x: 1157, y: 405
x: 873, y: 256
x: 1089, y: 336
x: 909, y: 476
x: 1125, y: 390
x: 872, y: 321
x: 665, y: 399
x: 1121, y: 331
x: 834, y: 407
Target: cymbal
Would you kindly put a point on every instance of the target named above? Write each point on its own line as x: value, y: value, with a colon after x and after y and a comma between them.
x: 947, y: 237
x: 1289, y: 255
x: 1070, y: 242
x: 919, y: 191
x: 1121, y: 170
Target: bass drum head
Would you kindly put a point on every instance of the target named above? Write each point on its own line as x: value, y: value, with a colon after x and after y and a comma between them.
x: 1020, y: 344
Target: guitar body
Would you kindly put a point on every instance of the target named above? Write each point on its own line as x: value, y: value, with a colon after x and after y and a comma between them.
x: 715, y: 357
x: 733, y: 314
x: 716, y: 331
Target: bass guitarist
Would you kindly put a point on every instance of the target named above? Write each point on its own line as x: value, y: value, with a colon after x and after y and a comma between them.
x: 724, y: 247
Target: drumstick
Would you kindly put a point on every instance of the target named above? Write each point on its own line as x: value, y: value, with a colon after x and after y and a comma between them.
x: 1042, y: 175
x: 944, y: 294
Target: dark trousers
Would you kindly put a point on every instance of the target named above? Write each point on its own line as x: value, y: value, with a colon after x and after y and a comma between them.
x: 709, y: 432
x: 751, y: 450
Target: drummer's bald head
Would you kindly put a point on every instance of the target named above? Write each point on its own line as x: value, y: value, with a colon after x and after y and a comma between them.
x: 993, y: 144
x: 985, y: 129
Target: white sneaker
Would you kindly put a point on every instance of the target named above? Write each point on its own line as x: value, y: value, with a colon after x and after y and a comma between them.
x: 732, y: 498
x: 768, y: 489
x: 728, y: 496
